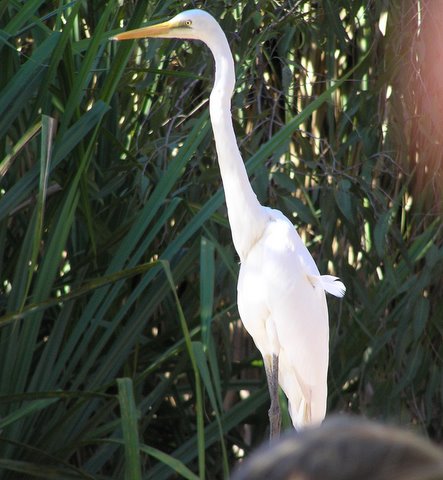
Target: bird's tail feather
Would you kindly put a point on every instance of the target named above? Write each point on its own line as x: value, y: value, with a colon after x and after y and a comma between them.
x: 329, y: 283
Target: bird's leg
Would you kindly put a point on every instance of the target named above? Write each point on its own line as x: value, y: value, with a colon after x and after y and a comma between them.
x: 271, y: 367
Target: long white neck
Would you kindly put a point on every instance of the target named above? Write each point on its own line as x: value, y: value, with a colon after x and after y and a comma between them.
x: 246, y: 216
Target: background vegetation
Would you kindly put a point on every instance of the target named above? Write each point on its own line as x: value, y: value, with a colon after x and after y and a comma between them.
x: 121, y: 352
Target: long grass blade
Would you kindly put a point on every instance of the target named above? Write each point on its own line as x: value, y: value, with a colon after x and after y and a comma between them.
x: 129, y: 419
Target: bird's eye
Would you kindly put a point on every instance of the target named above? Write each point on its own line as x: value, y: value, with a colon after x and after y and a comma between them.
x: 188, y: 23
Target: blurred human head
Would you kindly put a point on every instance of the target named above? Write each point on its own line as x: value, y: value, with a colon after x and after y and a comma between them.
x: 345, y: 448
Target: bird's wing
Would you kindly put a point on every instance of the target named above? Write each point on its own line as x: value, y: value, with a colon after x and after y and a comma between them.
x: 300, y: 317
x: 298, y: 312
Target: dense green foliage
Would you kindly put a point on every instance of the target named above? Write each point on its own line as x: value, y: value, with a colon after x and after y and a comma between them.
x: 121, y: 353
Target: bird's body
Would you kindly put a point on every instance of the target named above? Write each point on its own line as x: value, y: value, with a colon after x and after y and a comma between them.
x: 286, y: 314
x: 281, y: 294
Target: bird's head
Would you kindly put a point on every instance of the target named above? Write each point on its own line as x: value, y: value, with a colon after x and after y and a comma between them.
x: 189, y: 25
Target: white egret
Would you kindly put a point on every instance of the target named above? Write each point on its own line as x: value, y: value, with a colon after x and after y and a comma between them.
x: 281, y: 294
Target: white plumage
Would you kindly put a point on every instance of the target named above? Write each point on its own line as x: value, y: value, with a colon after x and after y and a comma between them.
x: 282, y: 303
x: 281, y: 294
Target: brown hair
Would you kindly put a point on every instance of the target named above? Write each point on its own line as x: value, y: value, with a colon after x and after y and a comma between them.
x: 345, y: 448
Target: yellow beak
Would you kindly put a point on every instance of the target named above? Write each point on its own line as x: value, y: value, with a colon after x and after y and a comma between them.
x: 158, y: 30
